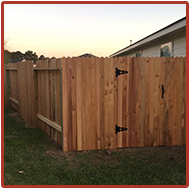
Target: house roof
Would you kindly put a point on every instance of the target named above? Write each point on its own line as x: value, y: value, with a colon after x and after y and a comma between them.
x: 162, y: 32
x: 87, y: 55
x: 15, y: 61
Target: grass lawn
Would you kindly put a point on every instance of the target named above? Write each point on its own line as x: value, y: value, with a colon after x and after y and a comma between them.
x: 32, y: 158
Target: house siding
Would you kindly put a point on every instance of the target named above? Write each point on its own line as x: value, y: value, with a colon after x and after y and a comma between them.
x: 153, y: 49
x: 180, y: 46
x: 151, y: 52
x: 131, y: 55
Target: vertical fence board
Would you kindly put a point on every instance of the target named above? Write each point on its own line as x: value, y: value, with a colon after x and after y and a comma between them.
x: 183, y: 117
x: 30, y: 92
x: 102, y: 89
x: 156, y: 129
x: 132, y: 105
x: 65, y: 103
x: 115, y: 103
x: 97, y: 103
x: 79, y: 103
x: 162, y: 103
x: 151, y: 101
x: 38, y: 63
x: 112, y: 112
x: 58, y: 98
x: 169, y: 98
x: 74, y: 104
x: 52, y: 97
x: 83, y: 100
x: 106, y: 102
x: 5, y: 87
x: 69, y: 78
x: 147, y: 104
x: 120, y: 84
x: 93, y: 103
x: 176, y: 130
x: 138, y: 101
x: 124, y: 101
x: 142, y: 86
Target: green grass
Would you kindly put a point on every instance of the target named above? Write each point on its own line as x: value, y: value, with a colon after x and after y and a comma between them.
x: 31, y: 151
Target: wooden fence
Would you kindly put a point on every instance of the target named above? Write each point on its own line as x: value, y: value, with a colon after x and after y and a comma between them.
x: 79, y: 101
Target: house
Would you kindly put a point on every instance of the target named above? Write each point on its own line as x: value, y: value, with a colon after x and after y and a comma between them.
x: 87, y: 55
x: 15, y: 60
x: 168, y: 42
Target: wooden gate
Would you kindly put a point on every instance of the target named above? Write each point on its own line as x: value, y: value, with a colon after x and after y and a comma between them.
x: 151, y: 102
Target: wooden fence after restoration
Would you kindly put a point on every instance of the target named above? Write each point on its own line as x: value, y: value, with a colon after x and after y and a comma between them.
x: 79, y: 101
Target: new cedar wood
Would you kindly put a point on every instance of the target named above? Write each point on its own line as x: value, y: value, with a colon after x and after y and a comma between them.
x: 78, y: 101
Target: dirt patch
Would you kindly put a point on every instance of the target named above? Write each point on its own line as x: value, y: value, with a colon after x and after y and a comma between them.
x: 59, y: 153
x: 19, y: 119
x: 28, y: 126
x: 13, y: 114
x: 103, y: 157
x: 55, y: 153
x: 10, y: 136
x: 176, y: 153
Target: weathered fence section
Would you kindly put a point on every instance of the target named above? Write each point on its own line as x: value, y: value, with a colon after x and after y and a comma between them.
x: 21, y: 89
x: 48, y: 97
x: 79, y: 101
x: 25, y: 82
x: 13, y: 86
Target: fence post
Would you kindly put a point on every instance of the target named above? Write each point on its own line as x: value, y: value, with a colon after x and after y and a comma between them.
x: 7, y: 87
x: 61, y: 108
x: 35, y: 98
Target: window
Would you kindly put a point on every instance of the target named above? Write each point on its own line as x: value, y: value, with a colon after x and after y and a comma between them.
x: 138, y: 54
x: 166, y: 50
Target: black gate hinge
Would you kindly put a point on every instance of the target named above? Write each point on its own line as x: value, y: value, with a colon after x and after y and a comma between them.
x: 118, y: 129
x: 119, y: 72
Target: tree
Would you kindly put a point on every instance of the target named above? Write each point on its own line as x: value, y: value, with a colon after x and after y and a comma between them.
x: 42, y: 57
x: 29, y: 55
x: 7, y: 54
x: 17, y: 56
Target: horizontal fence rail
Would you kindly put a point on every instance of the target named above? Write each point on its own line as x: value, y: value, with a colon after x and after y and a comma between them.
x: 88, y: 104
x: 13, y: 100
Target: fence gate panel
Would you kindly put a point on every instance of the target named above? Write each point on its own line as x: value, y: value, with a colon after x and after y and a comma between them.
x: 151, y: 101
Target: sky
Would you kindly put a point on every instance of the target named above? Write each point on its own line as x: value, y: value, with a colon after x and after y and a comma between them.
x: 71, y: 30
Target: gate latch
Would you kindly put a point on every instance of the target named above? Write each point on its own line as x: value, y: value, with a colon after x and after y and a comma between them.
x: 119, y: 72
x: 118, y: 129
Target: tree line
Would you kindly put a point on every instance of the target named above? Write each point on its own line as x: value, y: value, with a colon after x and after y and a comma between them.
x: 17, y: 56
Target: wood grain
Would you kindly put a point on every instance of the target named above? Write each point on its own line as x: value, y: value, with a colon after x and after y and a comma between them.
x: 94, y: 100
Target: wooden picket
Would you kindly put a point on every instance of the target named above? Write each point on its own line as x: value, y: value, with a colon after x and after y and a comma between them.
x: 78, y: 101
